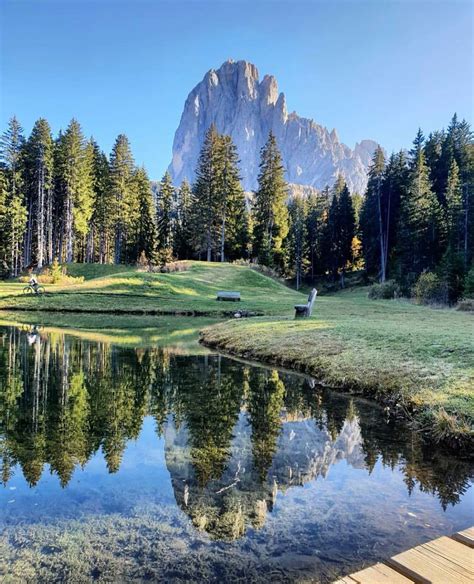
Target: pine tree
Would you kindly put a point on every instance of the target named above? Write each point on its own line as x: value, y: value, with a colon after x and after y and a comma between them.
x: 340, y: 230
x: 373, y: 219
x: 316, y: 218
x: 74, y: 183
x: 270, y: 210
x: 296, y: 242
x: 346, y: 231
x: 165, y: 218
x: 183, y: 226
x: 454, y: 208
x: 419, y: 218
x: 394, y: 186
x: 101, y: 234
x: 206, y: 195
x: 15, y: 223
x: 122, y: 167
x: 232, y: 210
x: 39, y: 178
x: 146, y: 240
x: 4, y: 270
x: 12, y: 158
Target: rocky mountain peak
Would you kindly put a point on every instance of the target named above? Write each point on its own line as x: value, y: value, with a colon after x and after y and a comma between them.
x: 240, y: 104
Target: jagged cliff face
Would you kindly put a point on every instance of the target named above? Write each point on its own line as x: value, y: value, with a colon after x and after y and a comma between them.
x: 234, y: 98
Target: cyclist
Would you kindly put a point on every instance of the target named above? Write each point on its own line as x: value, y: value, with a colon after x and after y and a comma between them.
x: 34, y: 283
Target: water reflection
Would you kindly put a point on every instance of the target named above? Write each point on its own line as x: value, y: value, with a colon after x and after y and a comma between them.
x: 235, y: 435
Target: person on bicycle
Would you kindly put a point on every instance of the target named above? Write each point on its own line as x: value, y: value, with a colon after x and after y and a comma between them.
x: 34, y: 283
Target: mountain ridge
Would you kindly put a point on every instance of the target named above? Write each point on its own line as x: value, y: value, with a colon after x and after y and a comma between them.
x: 240, y: 104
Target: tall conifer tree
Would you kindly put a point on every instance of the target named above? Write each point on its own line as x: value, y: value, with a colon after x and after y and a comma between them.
x: 75, y: 194
x: 183, y: 227
x: 420, y: 217
x: 270, y: 210
x: 146, y: 240
x: 12, y: 158
x: 39, y: 177
x: 206, y: 195
x: 297, y: 239
x: 165, y: 218
x: 101, y: 235
x: 122, y: 167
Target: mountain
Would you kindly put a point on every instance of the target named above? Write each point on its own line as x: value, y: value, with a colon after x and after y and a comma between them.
x: 234, y: 98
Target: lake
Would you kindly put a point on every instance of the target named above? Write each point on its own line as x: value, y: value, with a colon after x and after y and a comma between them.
x: 168, y: 464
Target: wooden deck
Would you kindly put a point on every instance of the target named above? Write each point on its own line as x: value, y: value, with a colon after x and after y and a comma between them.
x: 446, y: 560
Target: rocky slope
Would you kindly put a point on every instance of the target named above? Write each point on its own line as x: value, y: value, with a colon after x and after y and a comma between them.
x: 247, y: 108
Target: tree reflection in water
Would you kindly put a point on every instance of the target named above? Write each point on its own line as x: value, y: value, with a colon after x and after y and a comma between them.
x: 234, y: 434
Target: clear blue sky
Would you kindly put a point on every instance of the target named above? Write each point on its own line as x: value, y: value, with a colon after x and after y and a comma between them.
x: 371, y: 69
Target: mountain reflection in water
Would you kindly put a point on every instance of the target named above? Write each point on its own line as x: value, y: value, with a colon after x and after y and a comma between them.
x: 237, y: 438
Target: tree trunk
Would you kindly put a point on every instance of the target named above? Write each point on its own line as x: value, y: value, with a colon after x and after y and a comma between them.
x: 223, y: 240
x: 29, y: 233
x: 343, y: 282
x: 381, y: 237
x: 209, y: 246
x: 49, y: 226
x: 40, y: 220
x: 69, y: 230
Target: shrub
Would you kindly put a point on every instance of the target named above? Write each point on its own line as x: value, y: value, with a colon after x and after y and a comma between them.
x: 143, y: 263
x: 430, y: 289
x: 57, y: 271
x: 170, y: 267
x: 385, y: 291
x: 56, y: 274
x: 466, y: 305
x: 452, y: 272
x: 469, y: 284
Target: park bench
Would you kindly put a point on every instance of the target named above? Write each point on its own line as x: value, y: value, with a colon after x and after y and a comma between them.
x: 228, y: 296
x: 306, y: 309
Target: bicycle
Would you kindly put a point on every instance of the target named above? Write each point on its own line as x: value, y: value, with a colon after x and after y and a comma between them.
x: 28, y: 290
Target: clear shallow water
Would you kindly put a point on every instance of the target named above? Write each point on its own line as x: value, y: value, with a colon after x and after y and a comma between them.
x: 123, y: 465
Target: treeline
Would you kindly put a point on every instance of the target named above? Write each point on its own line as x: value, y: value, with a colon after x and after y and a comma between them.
x: 418, y: 216
x: 65, y: 198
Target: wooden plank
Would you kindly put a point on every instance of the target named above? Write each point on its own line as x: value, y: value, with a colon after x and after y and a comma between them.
x: 380, y: 574
x: 442, y: 561
x: 466, y: 537
x: 345, y: 580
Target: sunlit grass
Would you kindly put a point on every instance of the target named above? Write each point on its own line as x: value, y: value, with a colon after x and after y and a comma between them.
x: 131, y: 291
x: 392, y: 350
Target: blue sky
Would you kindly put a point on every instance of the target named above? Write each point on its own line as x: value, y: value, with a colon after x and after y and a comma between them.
x: 371, y: 69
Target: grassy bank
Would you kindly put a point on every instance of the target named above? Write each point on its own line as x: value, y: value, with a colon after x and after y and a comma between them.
x: 416, y: 360
x: 122, y: 290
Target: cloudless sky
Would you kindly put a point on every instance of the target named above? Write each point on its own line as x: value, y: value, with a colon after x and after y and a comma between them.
x: 372, y: 69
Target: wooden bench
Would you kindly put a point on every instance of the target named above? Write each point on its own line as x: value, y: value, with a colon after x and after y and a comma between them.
x: 228, y: 296
x: 306, y: 309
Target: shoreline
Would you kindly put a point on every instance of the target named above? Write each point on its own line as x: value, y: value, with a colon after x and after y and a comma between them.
x: 459, y: 442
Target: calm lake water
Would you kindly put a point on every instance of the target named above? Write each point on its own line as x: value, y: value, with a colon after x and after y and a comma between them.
x: 150, y: 464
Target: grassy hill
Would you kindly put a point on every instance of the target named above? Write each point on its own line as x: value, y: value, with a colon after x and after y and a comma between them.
x: 119, y: 289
